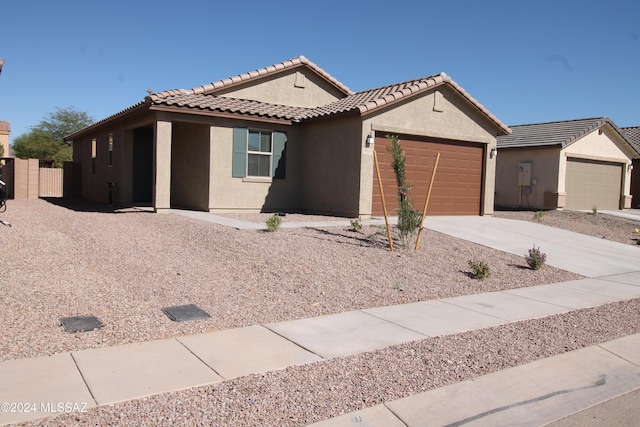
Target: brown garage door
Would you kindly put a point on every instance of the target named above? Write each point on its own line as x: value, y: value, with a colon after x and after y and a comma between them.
x: 457, y: 188
x: 590, y: 184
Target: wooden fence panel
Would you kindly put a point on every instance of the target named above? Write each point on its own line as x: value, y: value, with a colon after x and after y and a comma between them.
x: 51, y: 182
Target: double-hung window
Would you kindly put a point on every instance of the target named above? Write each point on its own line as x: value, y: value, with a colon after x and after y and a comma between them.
x: 258, y: 153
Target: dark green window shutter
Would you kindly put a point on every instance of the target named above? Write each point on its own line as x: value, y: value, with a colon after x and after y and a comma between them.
x: 279, y: 154
x: 239, y: 160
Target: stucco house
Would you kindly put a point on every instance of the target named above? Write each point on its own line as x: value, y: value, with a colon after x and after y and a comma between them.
x: 573, y: 164
x: 290, y: 137
x: 5, y: 130
x: 633, y: 136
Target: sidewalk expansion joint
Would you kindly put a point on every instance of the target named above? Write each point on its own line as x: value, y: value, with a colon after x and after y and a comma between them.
x: 295, y: 343
x: 202, y: 361
x: 84, y: 379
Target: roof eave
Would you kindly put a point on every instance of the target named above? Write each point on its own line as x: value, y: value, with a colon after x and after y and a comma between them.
x: 503, y: 129
x: 121, y: 115
x: 623, y: 136
x: 221, y: 114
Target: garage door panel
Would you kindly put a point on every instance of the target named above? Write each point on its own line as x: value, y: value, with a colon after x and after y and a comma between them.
x: 458, y: 185
x: 591, y: 183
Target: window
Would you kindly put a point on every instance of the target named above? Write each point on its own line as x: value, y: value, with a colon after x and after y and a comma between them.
x: 110, y: 150
x: 258, y: 153
x: 93, y: 156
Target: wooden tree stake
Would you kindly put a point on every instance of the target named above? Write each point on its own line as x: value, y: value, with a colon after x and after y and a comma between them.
x: 426, y: 203
x: 384, y: 205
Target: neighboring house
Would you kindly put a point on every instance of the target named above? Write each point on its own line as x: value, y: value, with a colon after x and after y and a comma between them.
x: 573, y: 164
x: 5, y: 130
x: 290, y: 137
x: 633, y: 136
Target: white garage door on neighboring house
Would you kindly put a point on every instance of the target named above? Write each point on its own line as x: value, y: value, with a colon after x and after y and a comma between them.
x: 591, y: 183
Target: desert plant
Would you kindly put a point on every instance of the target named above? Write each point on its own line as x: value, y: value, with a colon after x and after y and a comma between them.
x: 479, y: 269
x: 273, y: 223
x: 356, y: 225
x: 539, y: 215
x: 536, y: 258
x: 594, y: 209
x: 409, y: 219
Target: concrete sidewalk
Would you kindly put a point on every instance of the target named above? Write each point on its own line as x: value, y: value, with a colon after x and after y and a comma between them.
x: 88, y: 378
x: 532, y: 394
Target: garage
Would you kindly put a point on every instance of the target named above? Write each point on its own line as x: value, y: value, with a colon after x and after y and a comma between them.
x: 457, y: 188
x: 591, y: 183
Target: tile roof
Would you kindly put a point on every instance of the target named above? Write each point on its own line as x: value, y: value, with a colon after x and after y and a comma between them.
x: 361, y: 102
x: 253, y: 75
x: 232, y: 105
x: 204, y: 98
x: 633, y: 136
x: 549, y: 134
x: 370, y: 100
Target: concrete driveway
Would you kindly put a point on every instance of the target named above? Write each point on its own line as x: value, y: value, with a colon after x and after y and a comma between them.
x: 578, y: 253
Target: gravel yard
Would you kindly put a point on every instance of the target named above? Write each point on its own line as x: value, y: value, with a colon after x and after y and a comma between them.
x: 599, y: 225
x: 123, y: 266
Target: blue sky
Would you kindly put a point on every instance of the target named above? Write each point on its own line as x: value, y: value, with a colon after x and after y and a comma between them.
x: 527, y: 61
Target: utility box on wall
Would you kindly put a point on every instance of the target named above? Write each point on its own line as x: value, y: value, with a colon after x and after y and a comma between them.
x: 524, y: 174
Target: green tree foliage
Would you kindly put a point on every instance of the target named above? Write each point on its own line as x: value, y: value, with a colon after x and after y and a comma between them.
x: 45, y: 140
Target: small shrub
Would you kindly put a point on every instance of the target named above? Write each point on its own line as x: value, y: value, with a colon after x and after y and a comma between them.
x: 635, y: 236
x: 536, y: 258
x: 539, y: 215
x: 273, y: 223
x: 594, y: 209
x: 479, y: 269
x: 356, y: 225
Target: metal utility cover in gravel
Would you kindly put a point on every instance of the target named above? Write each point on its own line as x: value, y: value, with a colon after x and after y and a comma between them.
x: 80, y: 323
x: 183, y: 313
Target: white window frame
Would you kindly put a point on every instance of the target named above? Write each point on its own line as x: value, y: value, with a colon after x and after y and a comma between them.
x: 250, y: 152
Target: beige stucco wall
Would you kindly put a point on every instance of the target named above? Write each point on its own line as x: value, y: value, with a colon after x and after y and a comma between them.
x: 544, y: 177
x: 439, y: 113
x: 227, y: 193
x: 299, y: 87
x: 331, y: 164
x: 162, y: 165
x: 94, y: 186
x: 190, y: 144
